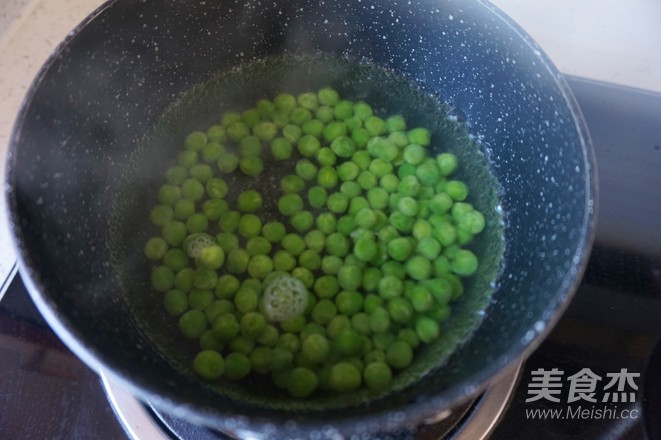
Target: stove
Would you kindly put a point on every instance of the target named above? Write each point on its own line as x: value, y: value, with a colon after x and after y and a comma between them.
x: 588, y: 380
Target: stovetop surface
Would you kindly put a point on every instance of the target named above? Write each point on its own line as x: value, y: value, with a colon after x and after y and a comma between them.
x: 610, y: 328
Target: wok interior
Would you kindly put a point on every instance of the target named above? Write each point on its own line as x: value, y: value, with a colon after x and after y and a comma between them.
x: 75, y: 166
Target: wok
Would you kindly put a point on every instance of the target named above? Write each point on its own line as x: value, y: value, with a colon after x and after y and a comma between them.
x: 97, y: 127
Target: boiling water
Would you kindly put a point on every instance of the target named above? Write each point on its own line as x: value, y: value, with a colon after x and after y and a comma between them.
x: 239, y: 89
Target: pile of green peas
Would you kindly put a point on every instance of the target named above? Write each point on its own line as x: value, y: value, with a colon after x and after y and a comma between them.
x: 365, y: 218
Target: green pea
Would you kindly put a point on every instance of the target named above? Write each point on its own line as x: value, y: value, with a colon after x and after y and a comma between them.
x: 230, y: 118
x: 302, y: 221
x: 306, y: 169
x: 229, y: 221
x: 464, y: 263
x: 345, y: 377
x: 428, y: 173
x: 250, y: 117
x: 292, y: 133
x: 326, y: 157
x: 420, y: 136
x: 249, y: 201
x: 414, y: 154
x: 265, y: 131
x: 209, y: 365
x: 400, y: 310
x: 302, y: 382
x: 211, y: 152
x: 197, y: 223
x: 324, y: 113
x: 241, y: 344
x: 237, y: 131
x: 285, y: 102
x: 237, y: 261
x: 306, y: 277
x: 183, y: 280
x: 192, y: 324
x: 175, y: 259
x: 162, y: 278
x: 390, y: 287
x: 308, y: 100
x: 315, y: 347
x: 337, y: 244
x: 418, y: 268
x: 401, y: 222
x: 377, y: 198
x: 283, y: 261
x: 227, y: 241
x: 327, y: 177
x: 445, y: 233
x: 310, y: 259
x: 334, y: 130
x: 199, y: 299
x: 337, y: 203
x: 227, y: 162
x: 394, y: 268
x: 330, y: 264
x: 249, y: 226
x: 273, y: 231
x: 226, y: 327
x: 195, y: 141
x: 156, y: 248
x: 365, y: 249
x: 378, y: 376
x: 246, y: 300
x: 346, y: 225
x: 300, y: 115
x: 292, y: 183
x: 313, y: 127
x: 174, y: 232
x: 447, y: 163
x: 252, y: 325
x: 326, y: 286
x: 375, y: 125
x: 399, y: 139
x: 216, y: 133
x: 317, y: 196
x: 429, y: 248
x: 237, y: 366
x: 281, y: 148
x: 218, y: 307
x: 187, y: 159
x: 201, y: 172
x: 293, y: 244
x: 349, y: 302
x: 371, y: 277
x: 341, y: 145
x: 383, y: 149
x: 227, y: 286
x: 308, y: 145
x: 399, y: 355
x: 457, y: 190
x: 350, y: 277
x: 427, y: 329
x: 380, y: 168
x: 269, y: 337
x: 161, y: 214
x: 280, y: 118
x: 289, y: 204
x: 169, y: 194
x: 367, y: 180
x: 175, y: 302
x: 409, y: 186
x: 251, y: 166
x: 215, y: 188
x: 408, y: 206
x: 258, y: 246
x: 328, y: 96
x: 250, y: 146
x: 361, y: 322
x: 351, y: 189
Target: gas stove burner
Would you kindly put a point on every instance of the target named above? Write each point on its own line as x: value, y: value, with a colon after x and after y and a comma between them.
x: 474, y: 420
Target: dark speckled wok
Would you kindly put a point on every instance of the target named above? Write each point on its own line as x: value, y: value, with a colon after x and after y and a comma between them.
x: 81, y: 174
